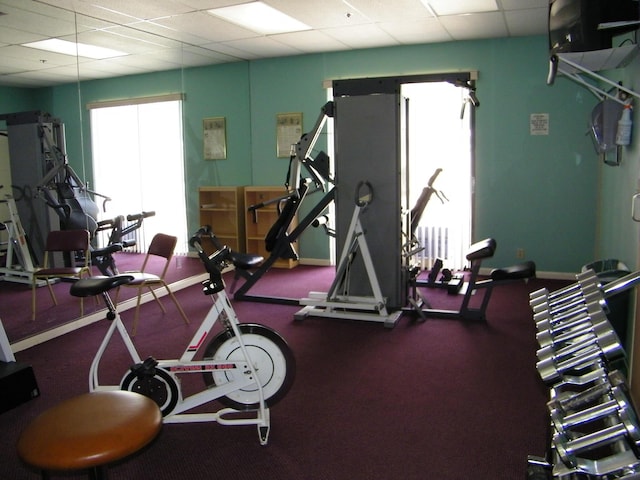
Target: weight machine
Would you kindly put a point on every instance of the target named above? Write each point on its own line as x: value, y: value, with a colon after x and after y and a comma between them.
x: 280, y: 238
x: 41, y: 171
x: 338, y: 303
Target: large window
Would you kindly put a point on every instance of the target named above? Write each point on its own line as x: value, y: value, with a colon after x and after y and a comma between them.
x: 138, y: 161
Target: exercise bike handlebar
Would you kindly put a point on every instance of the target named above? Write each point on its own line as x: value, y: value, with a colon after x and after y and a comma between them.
x: 139, y: 216
x: 214, y: 263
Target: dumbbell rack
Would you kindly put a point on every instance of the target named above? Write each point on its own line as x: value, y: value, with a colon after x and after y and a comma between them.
x: 594, y: 428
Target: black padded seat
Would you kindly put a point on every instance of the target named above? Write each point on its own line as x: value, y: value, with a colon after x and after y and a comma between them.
x: 514, y: 272
x: 90, y: 286
x: 245, y: 261
x: 482, y: 249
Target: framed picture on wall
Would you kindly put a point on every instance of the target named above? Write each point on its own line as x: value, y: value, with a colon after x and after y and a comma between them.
x: 288, y: 132
x: 214, y: 134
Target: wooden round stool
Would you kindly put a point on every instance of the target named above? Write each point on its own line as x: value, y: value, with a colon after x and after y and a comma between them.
x: 90, y: 431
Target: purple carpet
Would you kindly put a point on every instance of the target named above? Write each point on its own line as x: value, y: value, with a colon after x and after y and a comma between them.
x: 15, y: 298
x: 440, y: 399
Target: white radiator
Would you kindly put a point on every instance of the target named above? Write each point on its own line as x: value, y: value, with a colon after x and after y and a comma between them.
x: 441, y: 242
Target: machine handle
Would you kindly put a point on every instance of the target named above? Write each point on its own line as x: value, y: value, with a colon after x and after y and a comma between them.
x: 364, y: 193
x: 635, y: 212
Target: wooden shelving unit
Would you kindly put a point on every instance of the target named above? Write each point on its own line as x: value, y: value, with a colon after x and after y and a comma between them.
x: 259, y: 222
x: 223, y: 209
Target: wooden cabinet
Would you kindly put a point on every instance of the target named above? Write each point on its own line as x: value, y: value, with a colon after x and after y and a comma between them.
x: 258, y: 222
x: 222, y: 208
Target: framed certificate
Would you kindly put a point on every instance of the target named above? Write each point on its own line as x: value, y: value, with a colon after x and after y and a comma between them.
x: 214, y: 134
x: 288, y: 132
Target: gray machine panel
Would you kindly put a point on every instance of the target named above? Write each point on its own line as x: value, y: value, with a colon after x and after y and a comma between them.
x: 27, y: 168
x: 369, y: 146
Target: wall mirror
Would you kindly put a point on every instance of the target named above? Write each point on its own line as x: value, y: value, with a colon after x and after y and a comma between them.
x: 68, y: 101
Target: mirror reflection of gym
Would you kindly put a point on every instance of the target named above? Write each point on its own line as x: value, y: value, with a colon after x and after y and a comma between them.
x: 76, y: 148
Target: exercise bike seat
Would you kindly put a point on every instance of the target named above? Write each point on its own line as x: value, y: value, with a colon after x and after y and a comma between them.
x: 90, y: 286
x: 482, y: 249
x: 245, y: 261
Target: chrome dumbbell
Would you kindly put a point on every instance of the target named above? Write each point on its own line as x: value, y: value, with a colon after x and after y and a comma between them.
x: 593, y: 355
x: 599, y: 387
x: 567, y: 302
x: 587, y: 282
x: 571, y: 385
x: 558, y: 313
x: 547, y: 320
x: 560, y: 332
x: 583, y: 278
x: 602, y: 338
x: 615, y: 421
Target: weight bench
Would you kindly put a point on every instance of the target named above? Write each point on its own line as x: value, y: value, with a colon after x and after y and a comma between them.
x: 477, y: 252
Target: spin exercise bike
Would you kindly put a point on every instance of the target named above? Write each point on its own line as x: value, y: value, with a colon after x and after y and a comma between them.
x: 102, y: 257
x: 247, y: 367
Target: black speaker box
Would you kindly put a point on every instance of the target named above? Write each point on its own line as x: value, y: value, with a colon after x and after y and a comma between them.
x: 17, y: 385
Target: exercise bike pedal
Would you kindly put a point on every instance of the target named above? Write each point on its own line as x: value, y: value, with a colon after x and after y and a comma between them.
x: 146, y: 368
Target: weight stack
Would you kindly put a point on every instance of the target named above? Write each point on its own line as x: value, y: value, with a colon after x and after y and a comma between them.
x: 17, y: 384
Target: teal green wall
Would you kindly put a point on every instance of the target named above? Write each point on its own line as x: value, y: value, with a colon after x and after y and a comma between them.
x: 617, y: 233
x: 19, y: 100
x: 538, y: 193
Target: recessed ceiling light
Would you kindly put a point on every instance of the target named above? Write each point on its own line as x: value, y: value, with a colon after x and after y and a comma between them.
x: 72, y: 48
x: 260, y: 18
x: 459, y: 7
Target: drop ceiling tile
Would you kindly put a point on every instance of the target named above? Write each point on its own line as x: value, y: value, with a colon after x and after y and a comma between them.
x: 322, y: 14
x: 527, y: 22
x: 36, y: 23
x: 110, y: 67
x: 263, y: 47
x: 93, y: 9
x: 143, y: 10
x: 361, y: 36
x: 476, y: 25
x: 206, y: 26
x: 58, y: 76
x: 16, y: 37
x: 422, y: 30
x: 524, y: 4
x: 36, y: 57
x: 397, y: 10
x: 310, y: 41
x: 144, y: 63
x: 461, y: 7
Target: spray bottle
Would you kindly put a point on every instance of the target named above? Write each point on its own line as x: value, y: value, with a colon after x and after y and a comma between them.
x: 623, y: 135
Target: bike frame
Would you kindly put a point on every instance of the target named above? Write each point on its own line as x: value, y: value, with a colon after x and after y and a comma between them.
x: 243, y: 373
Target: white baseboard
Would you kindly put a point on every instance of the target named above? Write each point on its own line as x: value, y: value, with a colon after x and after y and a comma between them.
x: 316, y: 262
